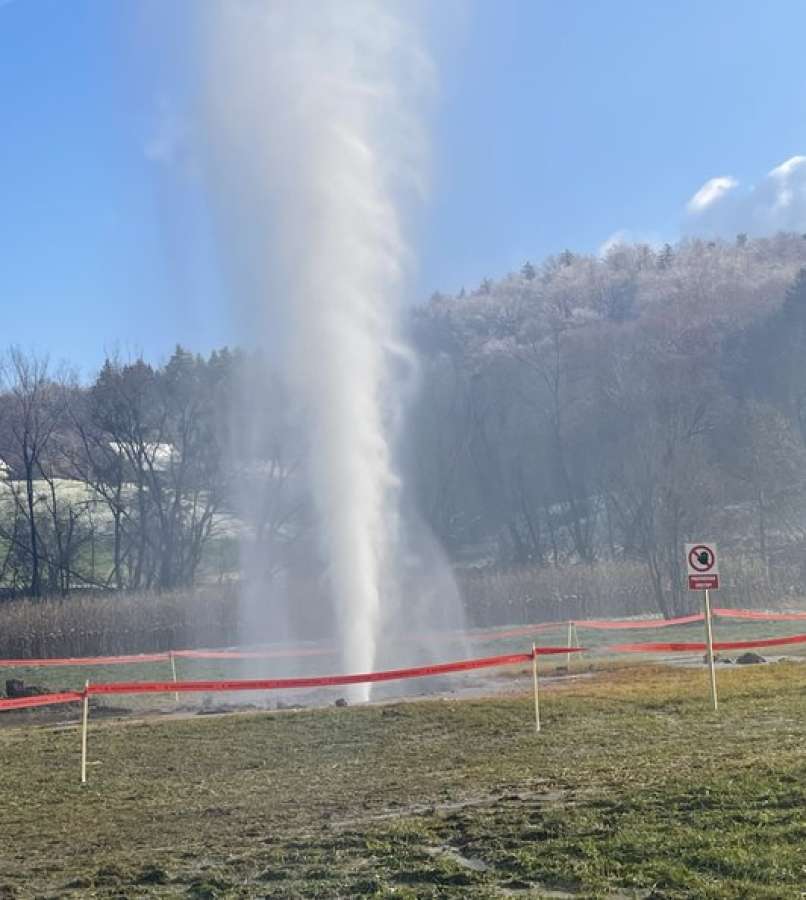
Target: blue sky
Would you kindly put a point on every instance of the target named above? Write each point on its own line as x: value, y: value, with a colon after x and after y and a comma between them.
x: 556, y: 125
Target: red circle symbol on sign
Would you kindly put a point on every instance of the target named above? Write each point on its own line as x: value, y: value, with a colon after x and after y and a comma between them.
x: 701, y: 558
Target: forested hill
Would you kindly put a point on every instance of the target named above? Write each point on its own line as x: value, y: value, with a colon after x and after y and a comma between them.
x: 591, y: 408
x: 587, y: 412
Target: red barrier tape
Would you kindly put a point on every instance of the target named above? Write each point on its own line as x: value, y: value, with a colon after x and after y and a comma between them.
x: 160, y: 657
x: 477, y: 636
x: 273, y: 684
x: 40, y: 700
x: 608, y: 625
x: 698, y: 647
x: 253, y: 654
x: 758, y: 615
x: 170, y: 687
x: 85, y: 661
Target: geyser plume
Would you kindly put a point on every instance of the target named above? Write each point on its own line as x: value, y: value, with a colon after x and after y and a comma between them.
x: 314, y: 107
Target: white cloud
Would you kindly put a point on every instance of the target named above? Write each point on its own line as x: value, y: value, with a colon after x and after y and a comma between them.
x: 788, y: 167
x: 711, y: 192
x: 723, y: 206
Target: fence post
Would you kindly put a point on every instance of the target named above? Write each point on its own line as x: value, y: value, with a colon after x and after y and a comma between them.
x: 84, y: 722
x: 570, y: 644
x: 537, y: 690
x: 173, y: 673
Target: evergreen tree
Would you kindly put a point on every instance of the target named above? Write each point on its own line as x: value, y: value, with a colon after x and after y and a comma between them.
x: 666, y: 257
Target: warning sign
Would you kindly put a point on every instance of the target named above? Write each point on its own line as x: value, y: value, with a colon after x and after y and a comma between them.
x: 703, y: 568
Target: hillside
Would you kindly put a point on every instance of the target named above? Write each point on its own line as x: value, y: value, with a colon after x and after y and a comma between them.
x: 611, y: 408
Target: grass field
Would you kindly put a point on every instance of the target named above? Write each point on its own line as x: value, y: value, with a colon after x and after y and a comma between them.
x: 633, y: 789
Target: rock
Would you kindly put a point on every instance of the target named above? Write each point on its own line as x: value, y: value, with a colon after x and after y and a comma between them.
x: 750, y: 659
x: 15, y: 687
x: 341, y: 702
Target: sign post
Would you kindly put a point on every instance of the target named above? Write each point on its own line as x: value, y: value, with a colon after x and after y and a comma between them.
x: 703, y: 575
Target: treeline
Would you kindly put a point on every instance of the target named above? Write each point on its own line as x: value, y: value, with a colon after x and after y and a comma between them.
x: 581, y: 411
x: 612, y: 408
x: 129, y: 482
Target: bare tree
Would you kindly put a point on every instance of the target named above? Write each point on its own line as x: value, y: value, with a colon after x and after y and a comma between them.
x: 34, y: 412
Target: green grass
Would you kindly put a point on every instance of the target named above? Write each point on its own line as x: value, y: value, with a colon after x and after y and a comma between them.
x: 634, y: 788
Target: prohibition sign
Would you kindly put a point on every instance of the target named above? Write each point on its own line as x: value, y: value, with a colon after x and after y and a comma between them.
x: 703, y: 575
x: 701, y: 559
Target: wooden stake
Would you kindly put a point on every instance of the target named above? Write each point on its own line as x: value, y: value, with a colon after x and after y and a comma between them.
x: 173, y: 672
x: 537, y: 691
x: 570, y: 645
x: 84, y: 720
x: 709, y: 635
